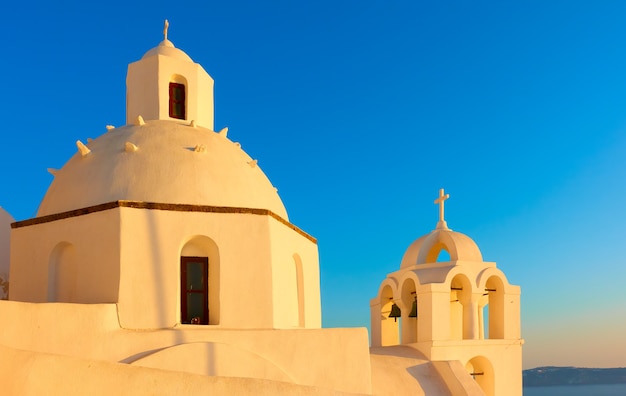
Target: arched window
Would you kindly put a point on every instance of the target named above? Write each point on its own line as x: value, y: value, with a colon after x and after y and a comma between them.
x: 177, y: 101
x: 200, y: 282
x: 194, y: 277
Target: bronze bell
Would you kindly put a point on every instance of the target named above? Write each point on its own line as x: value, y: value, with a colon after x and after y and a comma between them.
x: 395, y: 312
x: 413, y: 313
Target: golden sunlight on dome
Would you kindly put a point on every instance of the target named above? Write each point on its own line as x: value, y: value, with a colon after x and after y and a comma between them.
x: 163, y: 162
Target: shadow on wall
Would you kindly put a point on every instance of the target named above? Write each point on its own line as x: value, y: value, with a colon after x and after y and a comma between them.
x: 4, y: 287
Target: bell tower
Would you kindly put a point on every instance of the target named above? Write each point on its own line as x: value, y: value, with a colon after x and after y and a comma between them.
x: 166, y: 84
x: 462, y: 310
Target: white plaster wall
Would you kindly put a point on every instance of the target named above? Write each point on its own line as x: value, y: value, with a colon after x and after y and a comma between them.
x: 95, y: 238
x: 27, y: 373
x: 142, y: 91
x: 147, y: 94
x: 215, y: 359
x: 287, y: 247
x: 152, y: 241
x: 132, y: 256
x: 505, y: 357
x: 327, y: 358
x: 401, y: 371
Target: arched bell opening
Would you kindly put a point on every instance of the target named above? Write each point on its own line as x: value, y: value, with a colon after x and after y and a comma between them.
x: 409, y: 313
x: 200, y: 282
x: 483, y: 316
x: 461, y: 309
x: 443, y: 256
x: 438, y: 253
x: 481, y: 370
x: 494, y: 311
x: 390, y: 317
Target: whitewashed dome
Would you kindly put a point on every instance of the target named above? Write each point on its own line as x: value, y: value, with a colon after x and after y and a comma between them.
x: 162, y: 162
x: 424, y: 250
x: 167, y: 48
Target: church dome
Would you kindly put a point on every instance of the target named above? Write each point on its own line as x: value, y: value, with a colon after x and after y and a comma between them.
x: 166, y: 48
x: 163, y: 162
x: 426, y: 249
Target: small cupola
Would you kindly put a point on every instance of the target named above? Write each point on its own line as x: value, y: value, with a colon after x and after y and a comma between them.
x: 166, y: 84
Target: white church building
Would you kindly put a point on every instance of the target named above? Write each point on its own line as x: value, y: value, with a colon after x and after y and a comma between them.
x: 162, y: 261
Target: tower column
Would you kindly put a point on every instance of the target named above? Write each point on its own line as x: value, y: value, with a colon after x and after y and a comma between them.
x: 471, y: 319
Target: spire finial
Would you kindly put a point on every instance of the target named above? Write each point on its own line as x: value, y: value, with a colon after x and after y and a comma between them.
x: 167, y: 25
x: 439, y: 201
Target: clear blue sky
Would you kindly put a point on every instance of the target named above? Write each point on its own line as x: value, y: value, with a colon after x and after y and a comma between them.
x: 359, y: 111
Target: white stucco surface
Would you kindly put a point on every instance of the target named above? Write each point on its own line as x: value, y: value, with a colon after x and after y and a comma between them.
x: 164, y: 169
x: 131, y: 256
x: 148, y: 87
x: 326, y: 358
x: 27, y: 373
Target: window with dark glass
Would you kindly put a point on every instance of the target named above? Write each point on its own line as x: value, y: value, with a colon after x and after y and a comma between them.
x: 194, y: 299
x: 177, y: 101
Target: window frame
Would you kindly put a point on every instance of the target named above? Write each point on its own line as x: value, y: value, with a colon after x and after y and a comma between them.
x: 184, y: 292
x: 177, y: 101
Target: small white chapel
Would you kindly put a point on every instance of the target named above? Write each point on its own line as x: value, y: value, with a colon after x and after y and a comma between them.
x: 155, y: 238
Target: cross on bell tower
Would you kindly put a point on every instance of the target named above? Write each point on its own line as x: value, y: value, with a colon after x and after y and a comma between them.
x: 441, y: 225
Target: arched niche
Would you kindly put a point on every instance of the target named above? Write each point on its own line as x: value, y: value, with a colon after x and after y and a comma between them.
x: 408, y: 296
x: 481, y: 369
x: 299, y: 270
x: 389, y: 327
x: 203, y: 247
x: 62, y: 274
x: 461, y: 314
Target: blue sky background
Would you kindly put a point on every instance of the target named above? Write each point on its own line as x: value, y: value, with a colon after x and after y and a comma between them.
x: 359, y: 112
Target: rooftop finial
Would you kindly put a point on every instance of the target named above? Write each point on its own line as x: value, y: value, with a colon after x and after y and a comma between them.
x: 167, y: 25
x: 442, y: 197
